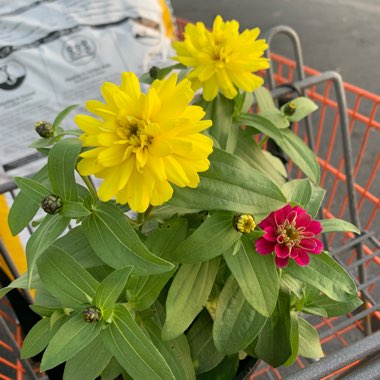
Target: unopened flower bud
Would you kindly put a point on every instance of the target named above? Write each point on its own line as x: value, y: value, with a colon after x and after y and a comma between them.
x: 245, y: 223
x: 44, y: 129
x: 153, y: 72
x: 92, y: 314
x: 52, y: 204
x: 290, y: 108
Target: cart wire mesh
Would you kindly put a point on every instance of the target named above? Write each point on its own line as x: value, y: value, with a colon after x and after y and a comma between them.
x: 322, y: 131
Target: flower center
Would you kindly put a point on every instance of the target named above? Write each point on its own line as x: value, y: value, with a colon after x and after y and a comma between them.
x: 219, y: 55
x: 288, y: 234
x: 133, y: 131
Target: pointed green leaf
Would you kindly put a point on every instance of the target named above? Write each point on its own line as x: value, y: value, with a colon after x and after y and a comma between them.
x: 39, y: 337
x: 304, y: 107
x: 225, y: 370
x: 176, y: 352
x: 256, y: 275
x: 74, y: 210
x: 71, y: 338
x: 89, y: 363
x: 75, y: 244
x: 187, y: 296
x: 116, y: 243
x: 327, y: 275
x: 264, y: 99
x: 299, y: 191
x: 203, y: 351
x: 294, y: 338
x: 294, y: 285
x: 112, y: 371
x: 274, y: 344
x: 300, y: 154
x: 110, y: 289
x: 66, y: 279
x: 338, y: 225
x: 33, y: 189
x: 236, y: 324
x: 24, y: 207
x: 132, y: 349
x: 262, y: 124
x: 47, y: 232
x: 61, y: 168
x: 231, y: 184
x: 62, y: 115
x: 214, y: 236
x: 143, y: 290
x: 310, y: 346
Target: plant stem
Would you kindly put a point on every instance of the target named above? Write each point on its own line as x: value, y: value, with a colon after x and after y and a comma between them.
x: 90, y: 187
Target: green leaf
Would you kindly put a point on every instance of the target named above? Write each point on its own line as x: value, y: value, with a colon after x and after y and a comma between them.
x: 50, y: 229
x: 110, y: 289
x: 143, y: 290
x: 298, y: 191
x: 74, y: 210
x: 24, y: 207
x: 66, y: 279
x: 276, y: 117
x: 294, y: 189
x: 203, y: 351
x: 116, y: 243
x: 292, y: 284
x: 187, y: 296
x: 71, y: 338
x: 75, y: 244
x: 274, y: 344
x: 231, y: 184
x: 300, y: 154
x: 132, y: 349
x: 32, y: 189
x: 236, y: 324
x: 112, y: 371
x: 176, y: 352
x: 256, y: 275
x: 61, y: 167
x: 304, y: 107
x: 89, y: 363
x: 327, y: 275
x: 250, y: 152
x: 294, y: 338
x: 21, y: 282
x: 225, y: 370
x: 62, y: 115
x: 264, y: 99
x: 39, y: 337
x: 220, y: 111
x: 309, y: 346
x: 214, y: 236
x: 338, y: 225
x: 262, y: 124
x: 326, y: 307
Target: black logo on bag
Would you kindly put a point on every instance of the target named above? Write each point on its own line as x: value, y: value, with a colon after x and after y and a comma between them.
x: 79, y: 50
x: 12, y: 74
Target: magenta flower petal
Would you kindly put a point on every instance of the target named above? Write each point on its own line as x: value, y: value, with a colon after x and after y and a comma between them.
x: 302, y: 258
x: 282, y: 250
x: 308, y: 244
x: 303, y: 220
x: 281, y: 263
x: 315, y: 227
x: 280, y: 215
x: 268, y: 222
x: 270, y: 234
x: 318, y: 248
x: 264, y: 247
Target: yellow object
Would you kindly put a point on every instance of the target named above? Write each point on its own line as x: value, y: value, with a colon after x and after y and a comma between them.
x: 222, y: 58
x: 144, y: 141
x: 12, y: 243
x: 245, y: 223
x: 167, y: 19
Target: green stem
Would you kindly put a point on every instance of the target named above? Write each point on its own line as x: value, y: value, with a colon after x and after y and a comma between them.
x: 90, y: 187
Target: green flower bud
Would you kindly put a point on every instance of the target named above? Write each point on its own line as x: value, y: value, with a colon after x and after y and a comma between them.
x: 44, y: 129
x: 290, y: 108
x: 52, y: 204
x: 92, y: 314
x: 245, y: 223
x: 153, y: 72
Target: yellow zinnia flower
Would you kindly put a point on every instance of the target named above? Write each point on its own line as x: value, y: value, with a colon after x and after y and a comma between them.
x: 222, y: 58
x: 144, y: 141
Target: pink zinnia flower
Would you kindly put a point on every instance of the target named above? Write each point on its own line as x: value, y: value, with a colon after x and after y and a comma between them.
x: 290, y: 233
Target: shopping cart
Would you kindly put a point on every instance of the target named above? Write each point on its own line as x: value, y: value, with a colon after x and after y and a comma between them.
x: 345, y: 134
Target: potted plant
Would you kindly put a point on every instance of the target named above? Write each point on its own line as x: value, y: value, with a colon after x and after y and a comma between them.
x: 195, y: 251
